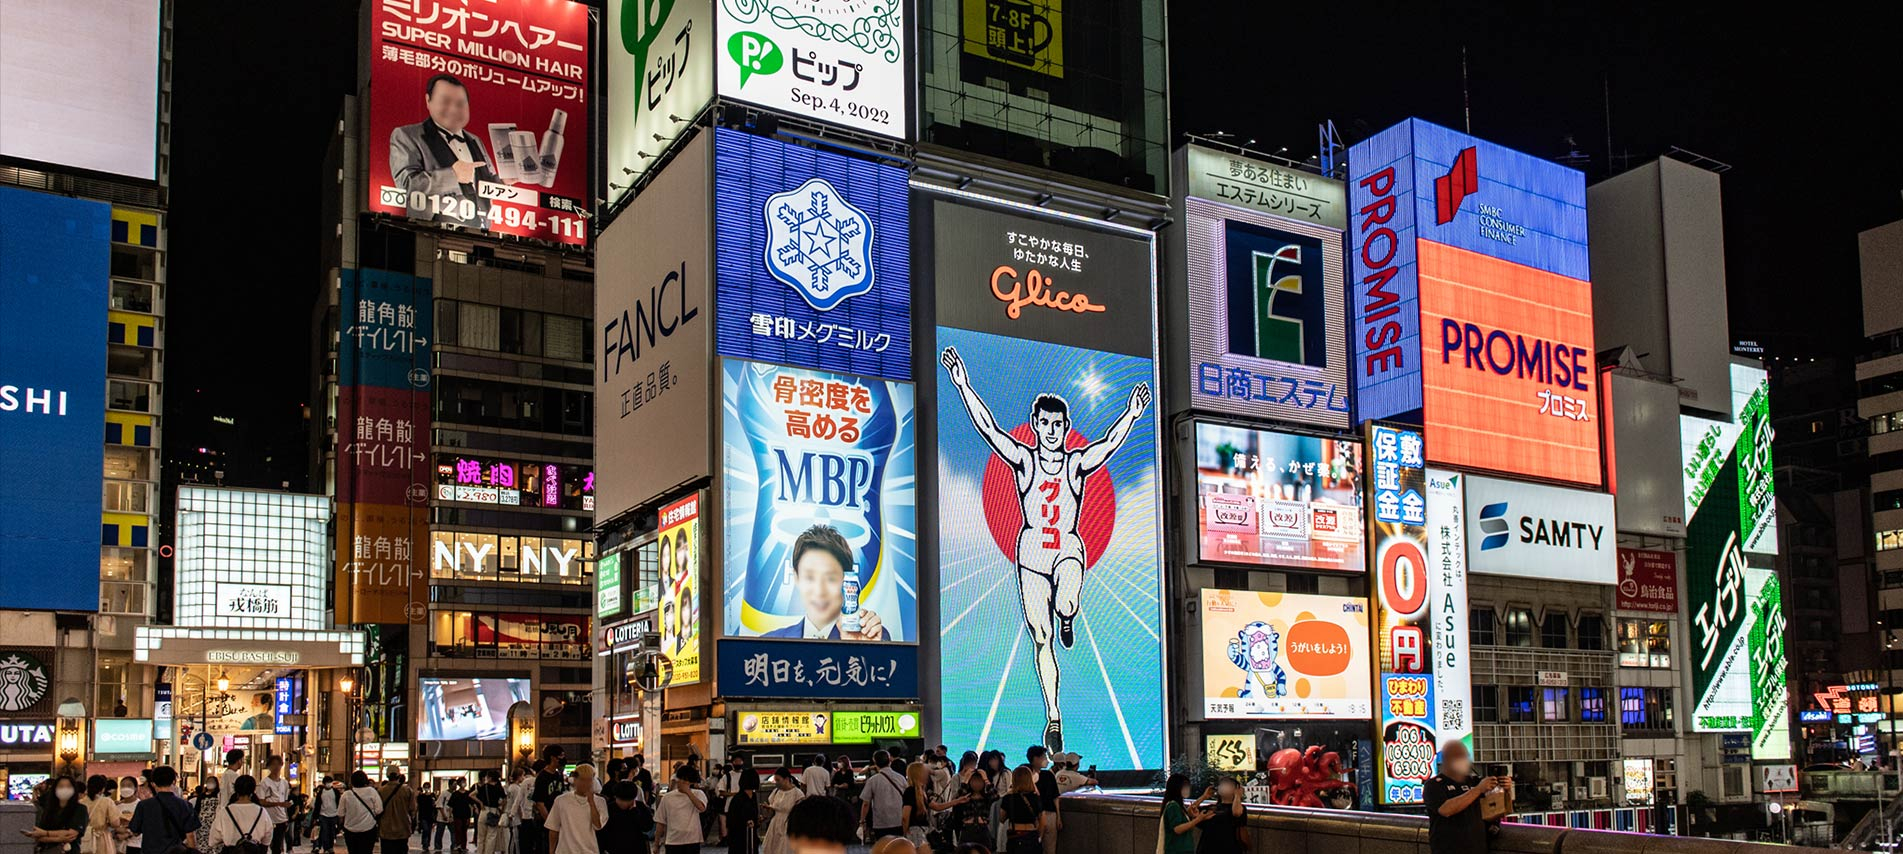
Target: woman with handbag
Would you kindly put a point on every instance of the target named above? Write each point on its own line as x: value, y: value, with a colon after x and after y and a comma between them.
x: 102, y: 817
x: 1022, y: 813
x: 59, y: 817
x: 362, y: 808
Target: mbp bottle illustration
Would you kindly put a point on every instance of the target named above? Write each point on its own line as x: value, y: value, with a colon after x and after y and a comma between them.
x: 501, y: 152
x: 522, y: 146
x: 551, y: 155
x: 849, y: 608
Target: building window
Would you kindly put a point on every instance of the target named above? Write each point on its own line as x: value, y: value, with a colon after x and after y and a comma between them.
x: 1555, y: 704
x: 1592, y: 632
x: 480, y: 326
x: 1486, y: 704
x: 1891, y: 539
x: 1553, y: 630
x: 1886, y: 422
x: 1519, y: 627
x: 1645, y: 643
x: 563, y: 338
x: 128, y: 395
x: 1520, y: 702
x: 1645, y: 709
x: 1480, y: 624
x: 1592, y: 705
x: 1889, y: 499
x: 505, y: 634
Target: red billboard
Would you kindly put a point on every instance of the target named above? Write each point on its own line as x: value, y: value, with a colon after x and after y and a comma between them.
x: 479, y: 115
x: 1648, y: 581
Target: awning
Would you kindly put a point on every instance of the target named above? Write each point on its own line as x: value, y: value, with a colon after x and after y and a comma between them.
x: 176, y: 646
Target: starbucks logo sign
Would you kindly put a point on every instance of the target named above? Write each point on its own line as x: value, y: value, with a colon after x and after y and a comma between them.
x: 23, y: 681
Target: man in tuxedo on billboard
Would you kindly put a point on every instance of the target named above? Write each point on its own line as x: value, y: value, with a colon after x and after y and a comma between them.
x: 441, y: 159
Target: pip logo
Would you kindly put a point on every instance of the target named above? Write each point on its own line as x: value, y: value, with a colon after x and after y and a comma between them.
x: 819, y: 244
x: 1451, y: 189
x: 1493, y: 523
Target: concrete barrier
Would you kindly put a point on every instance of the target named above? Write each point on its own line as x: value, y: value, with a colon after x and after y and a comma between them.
x: 1128, y: 824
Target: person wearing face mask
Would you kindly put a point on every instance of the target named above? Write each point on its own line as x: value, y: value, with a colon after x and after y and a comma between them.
x: 1224, y: 826
x: 59, y: 818
x: 1181, y: 819
x: 1454, y: 820
x: 206, y: 805
x: 102, y: 817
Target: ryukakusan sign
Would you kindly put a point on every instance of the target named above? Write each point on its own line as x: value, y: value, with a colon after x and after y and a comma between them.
x: 1546, y: 532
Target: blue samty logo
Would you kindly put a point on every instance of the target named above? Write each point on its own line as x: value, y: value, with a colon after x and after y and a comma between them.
x: 819, y: 244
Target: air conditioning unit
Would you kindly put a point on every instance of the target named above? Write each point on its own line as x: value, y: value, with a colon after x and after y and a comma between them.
x: 1579, y: 793
x: 1596, y: 787
x: 1559, y: 790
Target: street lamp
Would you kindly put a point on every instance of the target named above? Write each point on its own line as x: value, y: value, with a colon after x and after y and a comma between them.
x: 522, y: 730
x: 69, y: 740
x: 224, y: 680
x: 348, y: 685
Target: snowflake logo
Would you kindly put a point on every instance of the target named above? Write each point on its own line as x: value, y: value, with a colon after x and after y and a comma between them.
x: 819, y: 244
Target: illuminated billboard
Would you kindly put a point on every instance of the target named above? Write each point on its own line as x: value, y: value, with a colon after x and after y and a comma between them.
x: 1738, y: 625
x: 1285, y: 655
x: 1397, y: 526
x: 1264, y: 308
x: 660, y: 75
x: 1705, y: 445
x: 1278, y: 499
x: 250, y: 559
x: 821, y: 509
x: 1471, y: 302
x: 844, y: 63
x: 479, y: 116
x: 79, y: 84
x: 475, y: 479
x: 467, y: 709
x: 53, y: 294
x: 1531, y: 530
x: 812, y: 258
x: 1447, y: 591
x: 681, y: 547
x: 1048, y: 485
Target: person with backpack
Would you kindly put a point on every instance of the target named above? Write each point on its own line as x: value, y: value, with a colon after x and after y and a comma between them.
x: 324, y: 806
x: 165, y: 820
x: 399, y: 814
x: 242, y: 826
x: 362, y: 809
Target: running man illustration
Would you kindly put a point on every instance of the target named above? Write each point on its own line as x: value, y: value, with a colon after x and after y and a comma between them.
x: 1050, y: 481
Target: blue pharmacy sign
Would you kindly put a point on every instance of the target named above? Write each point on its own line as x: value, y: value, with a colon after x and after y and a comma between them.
x: 54, y: 275
x: 385, y: 324
x: 811, y: 258
x: 818, y: 670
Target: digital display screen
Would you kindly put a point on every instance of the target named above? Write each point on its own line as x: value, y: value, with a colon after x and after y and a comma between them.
x: 1279, y: 499
x: 1285, y: 655
x: 467, y: 709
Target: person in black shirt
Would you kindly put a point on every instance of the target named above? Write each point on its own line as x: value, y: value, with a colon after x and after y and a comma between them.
x: 743, y: 807
x: 548, y: 786
x: 1039, y: 758
x: 426, y: 815
x: 629, y: 821
x: 462, y: 809
x: 644, y: 778
x: 165, y: 819
x: 1454, y: 825
x: 1223, y: 828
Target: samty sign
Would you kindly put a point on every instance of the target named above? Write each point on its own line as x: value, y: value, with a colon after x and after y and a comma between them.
x: 1471, y: 302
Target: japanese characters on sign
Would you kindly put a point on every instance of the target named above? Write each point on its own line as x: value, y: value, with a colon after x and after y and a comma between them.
x: 1264, y: 187
x: 1285, y: 655
x: 1648, y: 581
x: 842, y: 63
x: 1270, y: 498
x: 1447, y: 591
x: 764, y: 668
x: 681, y: 544
x: 472, y: 111
x: 810, y: 726
x: 1706, y: 444
x: 660, y: 75
x: 485, y: 480
x: 1397, y: 527
x: 1027, y: 34
x: 812, y: 258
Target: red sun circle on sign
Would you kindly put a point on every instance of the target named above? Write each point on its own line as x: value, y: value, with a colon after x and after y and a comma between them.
x: 1004, y: 508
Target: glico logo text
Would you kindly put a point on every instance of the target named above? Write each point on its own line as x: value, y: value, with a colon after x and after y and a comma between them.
x: 1511, y: 354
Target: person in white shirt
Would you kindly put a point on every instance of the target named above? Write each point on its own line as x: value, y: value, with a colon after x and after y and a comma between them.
x: 361, y: 807
x: 326, y: 804
x: 816, y: 780
x: 677, y: 819
x: 576, y: 815
x: 883, y: 799
x: 274, y: 794
x: 241, y: 817
x: 234, y: 768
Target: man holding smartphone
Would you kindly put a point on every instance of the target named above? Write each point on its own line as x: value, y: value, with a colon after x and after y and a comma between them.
x: 1455, y: 821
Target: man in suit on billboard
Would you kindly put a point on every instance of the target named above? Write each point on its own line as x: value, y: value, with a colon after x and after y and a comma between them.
x: 821, y: 559
x: 438, y: 161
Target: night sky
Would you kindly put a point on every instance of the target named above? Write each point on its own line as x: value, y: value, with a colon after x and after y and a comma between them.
x: 1803, y: 106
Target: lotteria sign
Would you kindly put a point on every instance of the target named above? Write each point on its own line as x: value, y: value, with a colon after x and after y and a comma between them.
x: 1471, y: 302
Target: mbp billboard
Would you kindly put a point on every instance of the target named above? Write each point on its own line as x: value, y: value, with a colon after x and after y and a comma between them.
x: 1285, y: 655
x: 812, y: 255
x: 660, y: 76
x: 839, y: 61
x: 1263, y: 266
x: 653, y: 384
x: 473, y: 109
x: 54, y: 255
x: 1269, y: 498
x: 1543, y: 532
x: 1049, y: 528
x: 1471, y: 306
x: 1707, y: 445
x: 1397, y: 526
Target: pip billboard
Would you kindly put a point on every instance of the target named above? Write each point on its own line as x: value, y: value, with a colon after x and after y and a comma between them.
x: 826, y: 60
x: 812, y: 258
x: 1285, y: 655
x: 1397, y: 526
x: 1265, y: 292
x: 54, y: 253
x: 1471, y: 306
x: 660, y: 76
x: 1706, y: 445
x: 1269, y: 498
x: 820, y: 480
x: 473, y: 111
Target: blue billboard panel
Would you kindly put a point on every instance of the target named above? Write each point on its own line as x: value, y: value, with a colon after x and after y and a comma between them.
x: 1050, y: 619
x: 820, y: 481
x: 54, y: 274
x: 818, y: 670
x: 386, y: 321
x: 1384, y: 290
x: 811, y: 258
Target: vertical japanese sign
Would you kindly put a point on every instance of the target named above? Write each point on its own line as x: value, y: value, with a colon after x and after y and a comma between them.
x: 283, y: 696
x: 1770, y: 696
x: 1720, y: 613
x: 479, y: 115
x: 383, y: 422
x: 1706, y: 444
x: 1397, y: 527
x: 838, y: 61
x: 680, y: 545
x: 660, y: 74
x: 1447, y: 585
